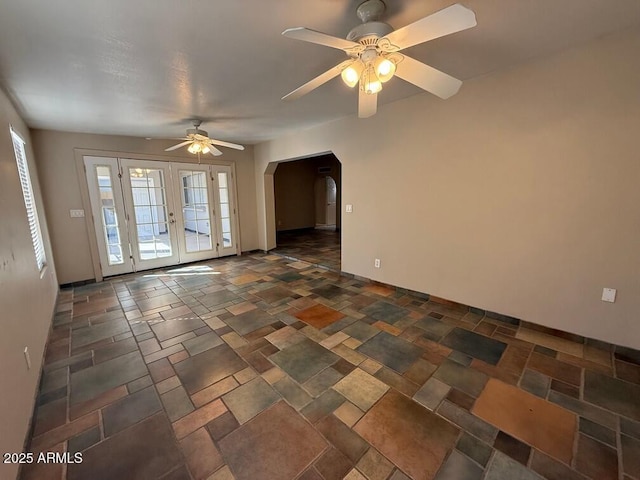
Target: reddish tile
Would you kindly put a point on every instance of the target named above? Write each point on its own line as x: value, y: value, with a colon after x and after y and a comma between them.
x: 319, y: 316
x: 555, y: 368
x: 161, y: 370
x: 80, y: 409
x: 408, y: 434
x: 539, y: 423
x: 202, y: 456
x: 293, y: 444
x: 198, y: 418
x: 64, y: 432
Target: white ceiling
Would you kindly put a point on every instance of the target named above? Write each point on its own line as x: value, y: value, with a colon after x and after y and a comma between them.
x: 145, y: 67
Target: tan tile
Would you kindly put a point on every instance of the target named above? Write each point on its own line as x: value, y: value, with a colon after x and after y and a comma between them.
x: 385, y: 327
x: 243, y: 307
x: 203, y: 458
x: 361, y: 389
x: 370, y: 366
x: 168, y: 384
x: 597, y: 355
x: 285, y: 337
x: 540, y: 423
x: 334, y: 340
x: 348, y: 413
x: 349, y: 355
x: 379, y: 289
x: 198, y: 418
x: 234, y: 340
x: 214, y: 391
x: 549, y: 341
x: 244, y: 279
x: 374, y: 465
x: 273, y: 375
x: 354, y: 475
x: 352, y: 343
x: 243, y: 376
x: 222, y: 474
x: 214, y: 323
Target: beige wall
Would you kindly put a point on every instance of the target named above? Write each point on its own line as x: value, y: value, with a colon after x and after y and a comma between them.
x: 27, y: 296
x: 296, y: 205
x: 61, y: 191
x: 519, y: 195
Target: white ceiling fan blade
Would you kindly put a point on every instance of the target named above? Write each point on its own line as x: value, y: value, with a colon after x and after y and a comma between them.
x: 214, y: 151
x: 449, y: 20
x: 226, y: 144
x: 427, y: 78
x: 319, y: 80
x: 367, y: 104
x: 175, y: 147
x: 308, y: 35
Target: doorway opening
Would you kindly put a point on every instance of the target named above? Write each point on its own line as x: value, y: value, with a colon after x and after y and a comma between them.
x: 307, y: 194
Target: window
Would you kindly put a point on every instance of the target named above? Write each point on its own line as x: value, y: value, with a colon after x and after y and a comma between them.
x: 29, y: 200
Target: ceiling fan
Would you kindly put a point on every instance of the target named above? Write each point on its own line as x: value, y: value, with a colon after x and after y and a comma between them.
x: 199, y: 142
x: 373, y: 47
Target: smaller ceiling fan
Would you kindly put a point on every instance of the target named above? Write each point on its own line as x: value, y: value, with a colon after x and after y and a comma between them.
x: 373, y: 47
x: 199, y: 142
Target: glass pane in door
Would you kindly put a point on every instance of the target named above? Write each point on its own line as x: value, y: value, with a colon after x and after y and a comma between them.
x: 109, y: 217
x: 150, y: 210
x: 225, y: 210
x: 195, y: 210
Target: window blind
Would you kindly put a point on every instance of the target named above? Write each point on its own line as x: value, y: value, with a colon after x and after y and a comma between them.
x: 29, y: 200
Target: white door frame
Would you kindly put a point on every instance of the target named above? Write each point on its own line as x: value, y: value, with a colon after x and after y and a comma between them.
x: 80, y: 153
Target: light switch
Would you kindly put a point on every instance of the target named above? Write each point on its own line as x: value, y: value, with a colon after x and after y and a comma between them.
x: 609, y: 295
x: 76, y: 213
x: 349, y: 208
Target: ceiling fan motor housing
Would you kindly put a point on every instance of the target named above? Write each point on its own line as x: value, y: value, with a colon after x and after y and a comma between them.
x: 197, y: 131
x: 369, y: 33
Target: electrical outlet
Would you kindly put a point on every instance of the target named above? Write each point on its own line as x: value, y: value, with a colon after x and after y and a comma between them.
x: 27, y: 357
x: 76, y: 213
x: 609, y: 295
x: 376, y: 263
x: 349, y: 208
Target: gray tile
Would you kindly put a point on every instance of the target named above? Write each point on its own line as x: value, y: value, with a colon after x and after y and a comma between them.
x: 361, y: 331
x: 323, y: 405
x: 385, y: 312
x: 176, y: 326
x: 157, y: 302
x: 435, y: 328
x: 466, y: 379
x: 475, y: 345
x: 432, y: 393
x: 84, y: 440
x: 145, y: 450
x: 248, y: 400
x: 87, y: 335
x: 613, y: 394
x: 250, y: 321
x: 535, y: 383
x: 218, y: 298
x: 204, y: 342
x: 598, y: 432
x: 396, y: 353
x: 177, y: 403
x: 129, y: 410
x: 208, y: 367
x: 474, y: 448
x: 468, y: 422
x: 629, y: 427
x: 502, y: 467
x: 292, y: 393
x: 91, y: 382
x: 459, y: 467
x: 304, y: 359
x: 319, y: 383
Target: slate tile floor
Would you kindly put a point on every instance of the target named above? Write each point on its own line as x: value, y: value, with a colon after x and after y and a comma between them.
x: 317, y: 247
x: 260, y: 367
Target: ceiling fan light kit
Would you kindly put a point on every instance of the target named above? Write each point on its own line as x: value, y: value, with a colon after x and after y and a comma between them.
x: 373, y: 47
x: 198, y: 142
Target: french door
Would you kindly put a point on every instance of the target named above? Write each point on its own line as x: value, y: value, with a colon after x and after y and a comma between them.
x: 150, y: 214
